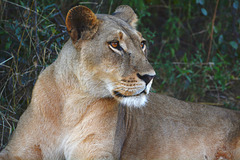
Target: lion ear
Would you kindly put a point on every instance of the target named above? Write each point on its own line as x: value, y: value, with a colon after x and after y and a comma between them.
x: 127, y: 14
x: 81, y: 23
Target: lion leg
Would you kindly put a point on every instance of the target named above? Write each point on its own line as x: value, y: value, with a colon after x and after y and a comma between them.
x: 90, y: 155
x: 4, y: 155
x: 88, y: 152
x: 19, y: 153
x: 237, y: 151
x: 91, y: 147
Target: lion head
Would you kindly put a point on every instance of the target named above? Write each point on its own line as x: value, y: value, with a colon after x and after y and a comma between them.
x: 110, y: 55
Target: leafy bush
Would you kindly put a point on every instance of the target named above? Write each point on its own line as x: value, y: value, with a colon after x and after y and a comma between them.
x: 31, y: 37
x: 195, y: 50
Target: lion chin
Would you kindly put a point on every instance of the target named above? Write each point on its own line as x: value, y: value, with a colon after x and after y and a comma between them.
x: 132, y: 98
x: 134, y: 101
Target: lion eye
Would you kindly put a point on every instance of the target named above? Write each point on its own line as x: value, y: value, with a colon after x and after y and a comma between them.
x: 143, y: 45
x: 116, y: 45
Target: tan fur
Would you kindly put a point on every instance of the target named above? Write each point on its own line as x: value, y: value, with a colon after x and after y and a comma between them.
x: 91, y: 104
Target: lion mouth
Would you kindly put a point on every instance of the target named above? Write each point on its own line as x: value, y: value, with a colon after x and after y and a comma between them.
x: 118, y: 94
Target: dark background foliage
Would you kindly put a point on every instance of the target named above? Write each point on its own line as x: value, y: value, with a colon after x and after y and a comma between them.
x: 194, y: 47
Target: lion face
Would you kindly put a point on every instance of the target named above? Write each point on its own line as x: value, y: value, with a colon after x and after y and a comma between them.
x: 113, y: 53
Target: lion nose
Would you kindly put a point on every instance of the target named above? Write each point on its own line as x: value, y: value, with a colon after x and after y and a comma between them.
x: 146, y: 78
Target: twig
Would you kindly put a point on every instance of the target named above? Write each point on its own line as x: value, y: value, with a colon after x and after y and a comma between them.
x: 234, y: 23
x: 201, y: 64
x: 95, y: 3
x: 20, y: 44
x: 2, y: 63
x: 193, y: 64
x: 211, y: 104
x: 2, y: 136
x: 36, y: 30
x: 29, y: 9
x: 110, y: 8
x: 99, y: 6
x: 59, y: 12
x: 158, y: 6
x: 197, y: 33
x: 53, y: 38
x: 211, y: 35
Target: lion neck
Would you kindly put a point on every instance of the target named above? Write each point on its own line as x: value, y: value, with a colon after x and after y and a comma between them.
x: 72, y: 75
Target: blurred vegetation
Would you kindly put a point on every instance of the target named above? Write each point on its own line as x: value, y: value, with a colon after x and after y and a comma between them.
x: 194, y: 48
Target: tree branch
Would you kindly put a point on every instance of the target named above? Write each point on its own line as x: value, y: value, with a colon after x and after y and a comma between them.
x: 211, y: 35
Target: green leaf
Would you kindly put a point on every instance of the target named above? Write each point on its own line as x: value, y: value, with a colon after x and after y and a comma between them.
x: 8, y: 44
x: 53, y: 30
x: 22, y: 4
x: 204, y: 11
x: 234, y: 44
x: 235, y: 4
x: 2, y: 32
x: 180, y: 75
x: 185, y: 59
x: 220, y: 39
x: 189, y: 79
x: 215, y: 29
x: 172, y: 52
x: 200, y: 2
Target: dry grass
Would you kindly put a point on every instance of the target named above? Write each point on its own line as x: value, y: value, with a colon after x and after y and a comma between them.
x: 29, y: 43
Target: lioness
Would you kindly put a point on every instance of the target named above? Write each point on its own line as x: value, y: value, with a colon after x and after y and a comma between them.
x: 93, y: 102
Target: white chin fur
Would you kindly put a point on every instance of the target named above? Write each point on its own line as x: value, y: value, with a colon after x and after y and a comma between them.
x: 137, y: 102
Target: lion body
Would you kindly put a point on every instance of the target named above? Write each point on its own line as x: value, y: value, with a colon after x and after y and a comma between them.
x: 91, y: 104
